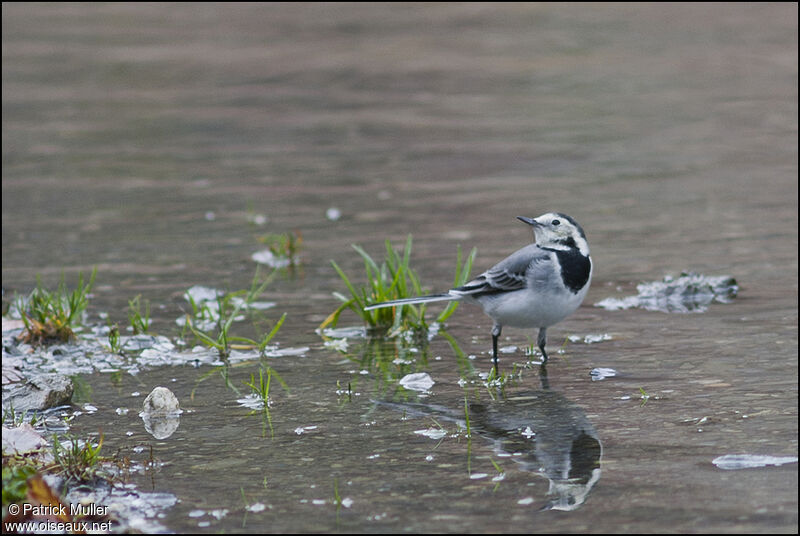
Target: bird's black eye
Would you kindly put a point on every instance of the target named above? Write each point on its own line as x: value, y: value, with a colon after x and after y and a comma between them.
x: 555, y: 222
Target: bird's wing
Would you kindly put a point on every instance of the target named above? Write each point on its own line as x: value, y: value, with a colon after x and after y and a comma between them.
x: 511, y: 273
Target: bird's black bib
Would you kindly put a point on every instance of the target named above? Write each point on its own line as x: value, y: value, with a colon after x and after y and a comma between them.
x: 575, y: 268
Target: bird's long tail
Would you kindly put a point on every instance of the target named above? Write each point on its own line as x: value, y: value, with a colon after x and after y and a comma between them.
x: 412, y: 301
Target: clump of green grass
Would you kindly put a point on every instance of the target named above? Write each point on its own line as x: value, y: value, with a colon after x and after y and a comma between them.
x: 15, y: 418
x: 393, y: 279
x: 224, y: 315
x: 51, y: 315
x: 228, y: 307
x: 260, y: 388
x: 75, y: 461
x: 140, y: 322
x: 284, y: 247
x: 223, y: 341
x: 114, y: 339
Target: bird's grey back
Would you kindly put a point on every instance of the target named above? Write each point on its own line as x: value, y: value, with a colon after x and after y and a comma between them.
x: 512, y: 272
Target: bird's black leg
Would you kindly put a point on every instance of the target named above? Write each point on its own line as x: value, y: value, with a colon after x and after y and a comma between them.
x: 542, y: 341
x: 496, y: 329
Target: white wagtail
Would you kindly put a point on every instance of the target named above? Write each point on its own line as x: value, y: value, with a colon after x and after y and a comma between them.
x: 534, y: 287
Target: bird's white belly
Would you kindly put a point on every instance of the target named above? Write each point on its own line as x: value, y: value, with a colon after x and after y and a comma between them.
x: 516, y: 309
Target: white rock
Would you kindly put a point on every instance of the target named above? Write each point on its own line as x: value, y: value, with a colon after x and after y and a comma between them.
x: 161, y: 400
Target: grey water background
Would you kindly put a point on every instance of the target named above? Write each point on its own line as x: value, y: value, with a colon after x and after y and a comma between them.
x: 138, y: 139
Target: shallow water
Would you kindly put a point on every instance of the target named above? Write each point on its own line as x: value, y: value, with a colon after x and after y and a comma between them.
x: 143, y: 139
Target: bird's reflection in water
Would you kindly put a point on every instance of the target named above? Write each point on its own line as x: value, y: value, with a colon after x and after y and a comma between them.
x: 542, y: 431
x: 545, y: 433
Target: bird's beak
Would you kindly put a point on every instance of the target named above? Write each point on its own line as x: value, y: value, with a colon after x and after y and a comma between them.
x: 529, y: 221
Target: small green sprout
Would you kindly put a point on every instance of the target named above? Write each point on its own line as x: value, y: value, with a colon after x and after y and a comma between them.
x: 645, y: 396
x: 138, y: 321
x: 114, y: 340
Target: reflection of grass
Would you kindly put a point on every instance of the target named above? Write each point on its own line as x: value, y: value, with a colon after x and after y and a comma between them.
x: 81, y: 389
x: 51, y: 315
x: 224, y: 372
x: 466, y: 417
x: 465, y: 367
x: 393, y: 279
x: 500, y: 475
x: 340, y: 391
x: 388, y: 361
x: 337, y: 499
x: 260, y: 389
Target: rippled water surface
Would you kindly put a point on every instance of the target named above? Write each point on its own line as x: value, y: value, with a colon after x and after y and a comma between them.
x: 145, y: 140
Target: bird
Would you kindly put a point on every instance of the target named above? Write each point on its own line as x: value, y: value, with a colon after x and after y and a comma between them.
x: 537, y: 286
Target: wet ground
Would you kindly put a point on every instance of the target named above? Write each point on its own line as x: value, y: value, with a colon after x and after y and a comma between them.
x: 143, y: 140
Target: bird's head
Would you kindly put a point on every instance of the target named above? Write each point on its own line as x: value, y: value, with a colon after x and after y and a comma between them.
x: 557, y: 230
